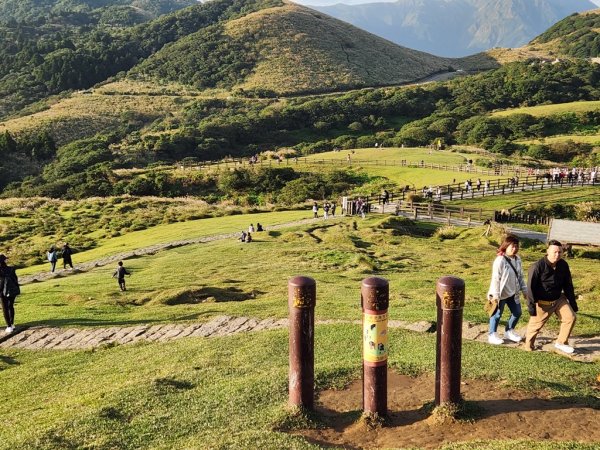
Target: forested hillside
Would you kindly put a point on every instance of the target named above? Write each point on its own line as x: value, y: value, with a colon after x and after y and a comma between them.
x: 576, y: 35
x: 74, y: 46
x: 207, y: 82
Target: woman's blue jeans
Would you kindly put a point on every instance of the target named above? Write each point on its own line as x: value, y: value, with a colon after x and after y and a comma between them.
x: 515, y: 310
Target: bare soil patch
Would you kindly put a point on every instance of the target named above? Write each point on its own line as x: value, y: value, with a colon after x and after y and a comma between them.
x: 501, y: 413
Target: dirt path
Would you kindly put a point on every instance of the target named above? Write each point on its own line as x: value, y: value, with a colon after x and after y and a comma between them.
x: 58, y: 338
x: 499, y: 413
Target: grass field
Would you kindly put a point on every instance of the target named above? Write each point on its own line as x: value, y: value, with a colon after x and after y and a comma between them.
x: 231, y: 392
x: 548, y: 110
x: 386, y: 163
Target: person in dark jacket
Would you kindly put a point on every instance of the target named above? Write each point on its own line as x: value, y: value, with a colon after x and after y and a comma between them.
x: 9, y: 289
x: 66, y: 256
x: 120, y: 274
x: 550, y: 291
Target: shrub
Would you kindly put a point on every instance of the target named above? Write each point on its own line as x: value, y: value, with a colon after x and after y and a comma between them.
x: 447, y: 232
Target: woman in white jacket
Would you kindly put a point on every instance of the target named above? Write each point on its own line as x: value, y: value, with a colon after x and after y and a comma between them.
x: 507, y: 282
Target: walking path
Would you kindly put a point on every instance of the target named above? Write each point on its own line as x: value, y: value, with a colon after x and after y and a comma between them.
x: 519, y: 232
x: 54, y: 338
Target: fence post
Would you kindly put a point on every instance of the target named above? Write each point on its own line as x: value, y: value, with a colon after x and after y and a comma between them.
x: 450, y: 300
x: 302, y: 293
x: 374, y: 296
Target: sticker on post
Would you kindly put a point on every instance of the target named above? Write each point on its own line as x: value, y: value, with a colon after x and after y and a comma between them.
x: 375, y: 338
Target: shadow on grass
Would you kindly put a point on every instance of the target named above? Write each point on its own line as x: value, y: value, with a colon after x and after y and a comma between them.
x: 214, y: 294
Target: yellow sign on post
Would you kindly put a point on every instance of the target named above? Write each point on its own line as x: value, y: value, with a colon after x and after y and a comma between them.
x: 375, y: 337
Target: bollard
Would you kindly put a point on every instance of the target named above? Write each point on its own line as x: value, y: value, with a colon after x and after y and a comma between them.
x: 374, y: 294
x: 450, y: 299
x: 302, y: 293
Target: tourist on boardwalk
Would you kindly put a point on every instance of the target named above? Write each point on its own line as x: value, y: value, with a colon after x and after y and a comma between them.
x: 507, y: 282
x: 52, y: 256
x: 333, y: 209
x: 243, y: 236
x: 259, y: 227
x: 550, y: 291
x: 9, y: 289
x: 315, y: 210
x: 251, y: 228
x: 66, y: 256
x: 386, y: 197
x: 120, y: 274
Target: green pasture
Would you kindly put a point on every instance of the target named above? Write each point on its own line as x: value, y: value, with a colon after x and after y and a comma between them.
x: 197, y: 282
x: 593, y: 139
x: 521, y: 201
x: 177, y: 231
x: 548, y: 110
x: 386, y: 162
x: 231, y: 392
x: 393, y: 155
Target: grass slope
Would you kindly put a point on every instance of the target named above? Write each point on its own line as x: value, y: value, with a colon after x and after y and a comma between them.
x: 228, y: 277
x: 227, y: 392
x: 291, y: 49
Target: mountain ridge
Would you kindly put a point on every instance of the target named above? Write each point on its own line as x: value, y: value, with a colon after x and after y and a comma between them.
x: 459, y: 27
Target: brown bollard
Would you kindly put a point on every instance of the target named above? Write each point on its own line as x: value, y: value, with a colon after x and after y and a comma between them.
x: 302, y: 294
x: 450, y: 299
x: 375, y: 294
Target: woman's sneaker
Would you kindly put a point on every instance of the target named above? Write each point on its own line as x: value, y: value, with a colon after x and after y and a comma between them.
x: 494, y: 339
x: 512, y: 336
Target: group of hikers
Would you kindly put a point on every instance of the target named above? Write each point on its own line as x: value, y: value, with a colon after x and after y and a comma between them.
x: 548, y: 290
x: 246, y: 236
x: 328, y: 209
x: 9, y: 282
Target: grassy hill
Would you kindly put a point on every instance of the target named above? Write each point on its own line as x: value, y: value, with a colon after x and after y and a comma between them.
x: 286, y: 50
x: 575, y: 36
x: 191, y: 392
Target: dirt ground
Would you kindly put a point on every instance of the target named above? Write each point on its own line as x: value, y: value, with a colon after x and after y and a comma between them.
x: 501, y: 413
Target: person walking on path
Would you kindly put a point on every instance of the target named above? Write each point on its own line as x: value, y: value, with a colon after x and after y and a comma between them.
x: 120, y: 274
x: 507, y: 281
x: 66, y: 256
x: 52, y: 256
x: 9, y: 289
x: 315, y: 210
x: 550, y: 291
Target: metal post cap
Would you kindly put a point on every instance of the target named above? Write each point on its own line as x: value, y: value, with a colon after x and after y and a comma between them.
x: 451, y: 282
x: 301, y: 281
x: 375, y: 282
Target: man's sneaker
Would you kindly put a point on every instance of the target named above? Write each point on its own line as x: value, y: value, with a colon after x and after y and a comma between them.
x: 494, y: 339
x: 9, y: 330
x: 564, y: 348
x: 512, y: 336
